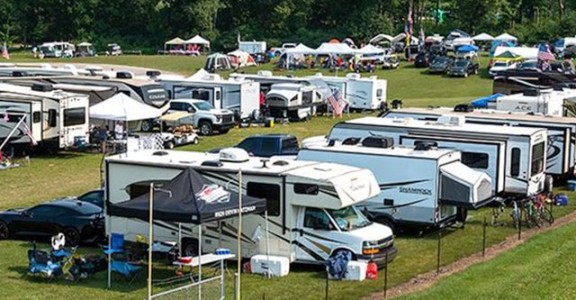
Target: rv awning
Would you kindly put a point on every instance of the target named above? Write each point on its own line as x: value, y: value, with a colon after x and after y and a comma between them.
x: 464, y: 187
x: 188, y: 198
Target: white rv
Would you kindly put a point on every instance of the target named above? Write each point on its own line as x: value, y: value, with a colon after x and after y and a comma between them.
x: 53, y: 119
x: 561, y: 148
x: 545, y: 102
x: 291, y: 100
x: 514, y: 157
x: 419, y: 185
x: 305, y: 201
x: 368, y: 93
x: 238, y: 95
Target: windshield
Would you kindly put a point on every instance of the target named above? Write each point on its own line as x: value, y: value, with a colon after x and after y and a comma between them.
x: 349, y: 218
x: 440, y: 60
x: 500, y: 64
x: 461, y: 63
x: 203, y: 105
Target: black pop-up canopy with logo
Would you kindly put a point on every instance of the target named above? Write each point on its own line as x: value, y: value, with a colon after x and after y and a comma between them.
x: 192, y: 199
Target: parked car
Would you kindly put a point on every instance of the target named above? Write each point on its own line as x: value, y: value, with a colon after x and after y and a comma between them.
x: 531, y: 64
x: 502, y: 65
x: 95, y: 197
x: 463, y: 67
x: 422, y: 60
x: 267, y: 145
x: 80, y: 222
x: 391, y: 62
x: 440, y: 65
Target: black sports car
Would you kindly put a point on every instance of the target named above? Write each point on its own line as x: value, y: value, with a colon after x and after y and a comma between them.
x: 81, y: 222
x: 95, y: 197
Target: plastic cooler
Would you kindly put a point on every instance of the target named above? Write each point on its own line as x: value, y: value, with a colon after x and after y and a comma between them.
x: 561, y: 200
x: 273, y: 265
x: 571, y: 185
x: 356, y: 270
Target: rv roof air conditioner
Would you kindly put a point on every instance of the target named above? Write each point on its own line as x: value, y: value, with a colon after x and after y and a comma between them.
x: 378, y: 141
x: 265, y: 73
x: 463, y: 108
x: 211, y: 163
x: 153, y: 73
x: 353, y: 76
x: 424, y: 145
x: 124, y: 75
x: 351, y: 141
x: 451, y: 120
x: 42, y: 87
x: 234, y: 155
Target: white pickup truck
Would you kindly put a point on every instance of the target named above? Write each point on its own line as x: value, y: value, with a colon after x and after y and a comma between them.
x: 278, y: 51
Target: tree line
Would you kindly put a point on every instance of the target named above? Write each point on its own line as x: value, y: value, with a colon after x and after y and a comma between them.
x: 146, y: 24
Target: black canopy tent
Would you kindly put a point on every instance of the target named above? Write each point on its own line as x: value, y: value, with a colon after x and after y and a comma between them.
x: 188, y: 198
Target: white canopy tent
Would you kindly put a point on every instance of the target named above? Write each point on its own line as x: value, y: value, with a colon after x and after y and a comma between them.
x: 122, y: 107
x: 335, y: 48
x: 175, y: 41
x: 483, y: 37
x: 299, y: 51
x: 370, y: 50
x: 198, y: 40
x: 525, y: 52
x: 380, y: 38
x: 506, y: 37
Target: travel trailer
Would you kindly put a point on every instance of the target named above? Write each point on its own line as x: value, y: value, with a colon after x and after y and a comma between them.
x: 514, y: 157
x: 291, y: 100
x: 240, y: 96
x: 362, y: 93
x: 305, y: 201
x: 551, y: 102
x: 41, y: 116
x: 419, y: 185
x: 513, y: 81
x: 561, y: 148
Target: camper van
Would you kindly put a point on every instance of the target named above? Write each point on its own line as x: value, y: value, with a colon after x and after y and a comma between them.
x: 291, y: 100
x: 419, y: 185
x: 41, y: 116
x: 514, y: 157
x: 240, y: 96
x: 303, y: 200
x: 368, y: 93
x: 560, y: 152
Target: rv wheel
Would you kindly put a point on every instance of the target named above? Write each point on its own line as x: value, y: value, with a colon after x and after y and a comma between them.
x: 189, y: 247
x: 72, y: 237
x: 169, y: 145
x: 4, y: 231
x: 146, y: 125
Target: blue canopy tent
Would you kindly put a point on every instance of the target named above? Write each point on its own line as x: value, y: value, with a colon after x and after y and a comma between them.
x: 467, y: 48
x: 500, y: 43
x: 483, y: 102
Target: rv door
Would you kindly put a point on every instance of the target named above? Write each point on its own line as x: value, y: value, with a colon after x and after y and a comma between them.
x: 463, y: 187
x: 217, y: 98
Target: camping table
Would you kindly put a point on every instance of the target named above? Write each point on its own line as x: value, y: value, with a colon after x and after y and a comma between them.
x: 209, y: 259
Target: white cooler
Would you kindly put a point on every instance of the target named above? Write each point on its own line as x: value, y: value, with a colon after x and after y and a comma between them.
x: 356, y: 270
x: 274, y: 265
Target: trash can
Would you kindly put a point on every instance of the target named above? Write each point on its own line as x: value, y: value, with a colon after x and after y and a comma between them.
x: 269, y: 122
x: 571, y: 185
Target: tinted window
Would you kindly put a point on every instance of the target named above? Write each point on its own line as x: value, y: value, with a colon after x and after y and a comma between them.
x: 201, y: 94
x: 45, y: 211
x: 182, y: 92
x: 36, y: 116
x: 269, y: 147
x: 270, y: 192
x: 74, y: 116
x: 95, y: 198
x: 142, y: 187
x: 250, y: 145
x: 289, y: 145
x: 176, y: 106
x: 317, y: 219
x: 537, y: 158
x: 475, y: 160
x: 515, y: 165
x: 306, y: 189
x: 12, y: 117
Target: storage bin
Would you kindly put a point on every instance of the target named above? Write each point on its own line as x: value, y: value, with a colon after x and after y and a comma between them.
x: 571, y: 185
x: 273, y: 265
x: 355, y: 270
x: 561, y: 200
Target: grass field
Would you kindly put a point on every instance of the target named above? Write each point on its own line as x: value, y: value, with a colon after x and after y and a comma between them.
x: 70, y: 173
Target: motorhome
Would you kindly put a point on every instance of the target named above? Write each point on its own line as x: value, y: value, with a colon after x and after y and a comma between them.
x: 304, y: 201
x: 419, y: 185
x: 56, y: 49
x: 362, y: 93
x: 41, y: 116
x: 291, y: 100
x: 514, y: 157
x: 561, y: 149
x: 513, y: 81
x: 546, y: 102
x: 240, y: 96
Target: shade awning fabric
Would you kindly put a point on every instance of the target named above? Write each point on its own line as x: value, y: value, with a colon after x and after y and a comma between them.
x: 505, y: 37
x: 197, y: 40
x: 121, y: 107
x: 175, y: 41
x: 189, y: 198
x: 483, y: 37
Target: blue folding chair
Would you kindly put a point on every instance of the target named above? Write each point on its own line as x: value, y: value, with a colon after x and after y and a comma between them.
x: 116, y: 244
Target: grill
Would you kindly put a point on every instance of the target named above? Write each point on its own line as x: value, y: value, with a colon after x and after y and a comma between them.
x: 227, y: 118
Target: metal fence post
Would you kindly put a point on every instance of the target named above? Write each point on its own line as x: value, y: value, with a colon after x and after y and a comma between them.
x: 386, y: 274
x: 327, y: 275
x: 438, y: 254
x: 484, y: 238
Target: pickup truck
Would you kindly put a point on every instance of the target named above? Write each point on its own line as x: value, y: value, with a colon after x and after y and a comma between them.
x: 278, y: 51
x: 267, y: 145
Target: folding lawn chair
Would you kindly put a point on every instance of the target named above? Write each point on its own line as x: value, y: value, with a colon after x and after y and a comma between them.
x: 40, y: 263
x: 122, y: 266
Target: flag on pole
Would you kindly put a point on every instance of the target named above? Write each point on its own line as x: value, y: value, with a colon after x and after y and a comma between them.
x: 29, y: 134
x: 544, y: 53
x: 421, y: 37
x: 5, y: 53
x: 337, y: 102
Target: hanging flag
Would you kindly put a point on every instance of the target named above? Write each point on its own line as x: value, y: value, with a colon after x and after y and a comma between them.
x: 29, y: 134
x: 544, y: 53
x: 337, y: 102
x: 5, y: 53
x: 421, y: 37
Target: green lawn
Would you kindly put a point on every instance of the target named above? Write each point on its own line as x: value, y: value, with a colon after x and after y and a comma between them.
x: 70, y: 173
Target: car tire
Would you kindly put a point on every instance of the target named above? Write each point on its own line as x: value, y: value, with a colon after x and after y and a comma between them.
x: 72, y: 236
x: 147, y: 125
x: 205, y: 128
x: 4, y: 231
x: 195, y: 141
x: 224, y: 131
x: 189, y: 247
x: 169, y: 145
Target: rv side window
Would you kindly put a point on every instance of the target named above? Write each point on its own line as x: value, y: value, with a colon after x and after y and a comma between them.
x: 316, y: 218
x: 142, y: 187
x: 515, y: 166
x: 182, y: 92
x: 475, y: 160
x: 36, y: 117
x: 52, y: 118
x: 379, y: 93
x: 537, y: 158
x: 306, y: 189
x: 270, y: 192
x: 201, y: 94
x: 11, y: 117
x: 217, y: 97
x: 74, y: 116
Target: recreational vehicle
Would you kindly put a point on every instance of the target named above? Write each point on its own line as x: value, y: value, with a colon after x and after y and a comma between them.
x: 240, y: 96
x: 291, y: 100
x: 514, y: 157
x: 368, y: 93
x: 513, y: 81
x: 553, y: 102
x: 561, y: 148
x: 305, y: 201
x: 41, y: 116
x: 419, y: 185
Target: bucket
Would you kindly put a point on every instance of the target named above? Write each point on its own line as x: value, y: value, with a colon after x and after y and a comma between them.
x: 571, y: 185
x: 561, y: 199
x: 269, y: 122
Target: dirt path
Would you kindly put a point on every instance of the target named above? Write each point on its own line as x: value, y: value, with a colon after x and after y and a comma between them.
x: 426, y: 280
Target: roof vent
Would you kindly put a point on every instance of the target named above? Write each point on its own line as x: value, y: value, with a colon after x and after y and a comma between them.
x: 280, y: 163
x: 353, y: 76
x: 463, y: 108
x: 124, y: 75
x: 211, y: 163
x: 19, y: 73
x: 332, y: 142
x: 351, y: 141
x: 234, y: 155
x: 378, y: 141
x: 42, y: 87
x: 424, y: 145
x: 160, y: 153
x: 153, y: 73
x: 105, y: 77
x: 451, y: 120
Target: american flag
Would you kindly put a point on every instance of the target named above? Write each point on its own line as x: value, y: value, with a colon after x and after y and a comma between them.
x: 544, y: 53
x: 408, y: 25
x: 422, y: 37
x: 29, y: 134
x: 5, y: 53
x: 336, y: 102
